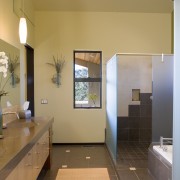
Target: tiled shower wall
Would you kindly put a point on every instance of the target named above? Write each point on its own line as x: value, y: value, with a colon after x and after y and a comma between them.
x: 137, y: 126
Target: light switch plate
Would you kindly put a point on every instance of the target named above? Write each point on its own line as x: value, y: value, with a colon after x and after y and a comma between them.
x: 44, y: 101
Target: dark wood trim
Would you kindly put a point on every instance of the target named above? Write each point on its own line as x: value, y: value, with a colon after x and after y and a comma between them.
x: 88, y: 107
x: 83, y: 144
x: 87, y: 79
x: 30, y: 77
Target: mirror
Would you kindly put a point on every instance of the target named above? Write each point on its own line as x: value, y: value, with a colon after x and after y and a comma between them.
x: 12, y: 85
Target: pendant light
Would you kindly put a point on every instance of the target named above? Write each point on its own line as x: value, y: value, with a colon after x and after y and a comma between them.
x: 23, y: 28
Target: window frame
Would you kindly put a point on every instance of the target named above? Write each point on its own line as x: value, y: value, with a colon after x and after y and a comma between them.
x: 89, y: 79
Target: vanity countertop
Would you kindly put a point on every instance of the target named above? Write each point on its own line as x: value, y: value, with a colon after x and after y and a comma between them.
x: 19, y: 137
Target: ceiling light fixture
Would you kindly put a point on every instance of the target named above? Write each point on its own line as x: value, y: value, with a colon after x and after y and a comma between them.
x: 23, y: 28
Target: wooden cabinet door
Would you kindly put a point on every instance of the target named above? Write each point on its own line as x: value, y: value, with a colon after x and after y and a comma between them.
x: 24, y: 168
x: 13, y: 175
x: 31, y: 165
x: 45, y: 147
x: 36, y: 159
x: 40, y: 153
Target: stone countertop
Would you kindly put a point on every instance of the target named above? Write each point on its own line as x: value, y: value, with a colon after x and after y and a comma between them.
x: 19, y: 137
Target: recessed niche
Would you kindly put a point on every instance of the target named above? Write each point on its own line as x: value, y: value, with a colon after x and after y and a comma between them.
x: 135, y: 94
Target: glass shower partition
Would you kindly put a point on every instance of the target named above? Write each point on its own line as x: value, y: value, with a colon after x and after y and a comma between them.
x: 111, y: 106
x: 162, y: 108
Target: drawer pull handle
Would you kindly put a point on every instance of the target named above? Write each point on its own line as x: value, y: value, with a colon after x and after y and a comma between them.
x: 28, y: 164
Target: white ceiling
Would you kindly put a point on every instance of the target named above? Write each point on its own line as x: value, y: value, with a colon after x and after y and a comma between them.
x: 147, y: 6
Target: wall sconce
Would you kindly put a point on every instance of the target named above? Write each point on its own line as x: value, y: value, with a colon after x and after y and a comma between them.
x: 22, y: 30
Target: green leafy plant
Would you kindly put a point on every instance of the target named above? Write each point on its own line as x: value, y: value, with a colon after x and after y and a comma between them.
x: 58, y: 63
x: 93, y: 97
x: 13, y: 64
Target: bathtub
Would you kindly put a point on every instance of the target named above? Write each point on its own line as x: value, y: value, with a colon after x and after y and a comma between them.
x: 165, y: 154
x: 160, y: 162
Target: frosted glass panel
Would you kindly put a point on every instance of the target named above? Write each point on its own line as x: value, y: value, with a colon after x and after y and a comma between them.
x: 111, y: 106
x: 162, y: 111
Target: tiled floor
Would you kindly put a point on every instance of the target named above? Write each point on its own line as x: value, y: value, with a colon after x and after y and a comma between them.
x: 132, y: 161
x: 129, y: 155
x: 79, y: 156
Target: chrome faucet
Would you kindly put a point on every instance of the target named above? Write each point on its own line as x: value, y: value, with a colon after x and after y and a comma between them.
x: 5, y: 113
x: 162, y: 141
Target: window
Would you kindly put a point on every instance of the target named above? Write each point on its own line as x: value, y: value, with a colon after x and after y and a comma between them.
x: 87, y: 79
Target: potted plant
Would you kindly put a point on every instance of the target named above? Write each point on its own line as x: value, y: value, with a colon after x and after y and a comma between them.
x: 93, y: 97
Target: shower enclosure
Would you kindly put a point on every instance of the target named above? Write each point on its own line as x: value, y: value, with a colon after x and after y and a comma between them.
x: 136, y: 87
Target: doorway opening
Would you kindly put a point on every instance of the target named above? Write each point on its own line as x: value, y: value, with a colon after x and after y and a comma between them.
x: 30, y: 77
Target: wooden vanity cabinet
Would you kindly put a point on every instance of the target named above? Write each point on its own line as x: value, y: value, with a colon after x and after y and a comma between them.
x: 41, y: 152
x: 31, y: 165
x: 23, y: 171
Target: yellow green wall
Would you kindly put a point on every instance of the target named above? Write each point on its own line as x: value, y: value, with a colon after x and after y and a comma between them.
x: 9, y: 27
x: 61, y: 33
x: 9, y: 23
